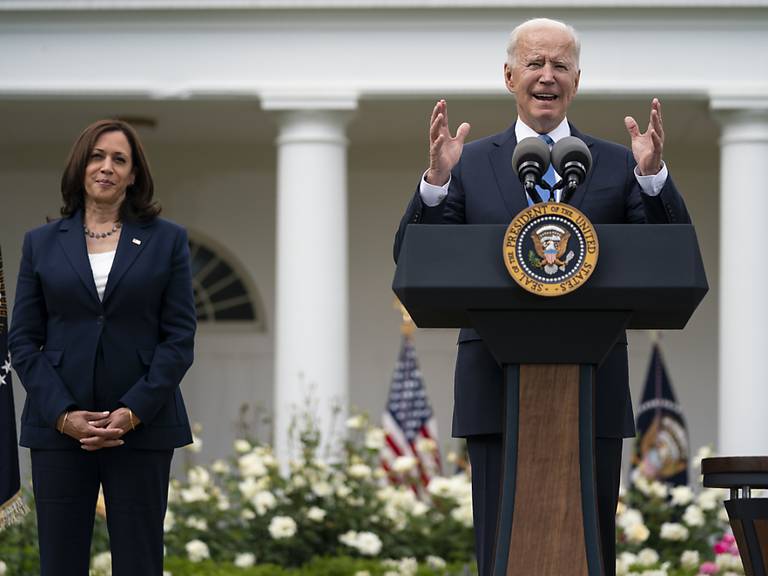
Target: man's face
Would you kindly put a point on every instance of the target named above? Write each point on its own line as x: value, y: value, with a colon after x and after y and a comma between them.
x: 544, y: 77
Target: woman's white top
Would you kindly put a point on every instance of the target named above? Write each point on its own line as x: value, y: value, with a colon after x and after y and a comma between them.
x: 101, y: 264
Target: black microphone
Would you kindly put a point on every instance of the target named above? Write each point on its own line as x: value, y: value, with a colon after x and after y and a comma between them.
x: 530, y: 161
x: 572, y: 160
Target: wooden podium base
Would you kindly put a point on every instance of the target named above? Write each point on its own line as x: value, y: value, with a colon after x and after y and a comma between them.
x: 547, y: 523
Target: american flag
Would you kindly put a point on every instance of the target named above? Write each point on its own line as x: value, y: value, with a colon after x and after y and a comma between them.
x: 12, y: 507
x: 409, y: 423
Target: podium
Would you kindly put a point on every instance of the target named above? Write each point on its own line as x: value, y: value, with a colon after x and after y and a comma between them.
x: 748, y: 516
x: 453, y: 276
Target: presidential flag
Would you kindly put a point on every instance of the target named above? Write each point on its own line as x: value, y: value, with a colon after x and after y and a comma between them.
x: 661, y: 448
x: 12, y: 507
x: 411, y: 449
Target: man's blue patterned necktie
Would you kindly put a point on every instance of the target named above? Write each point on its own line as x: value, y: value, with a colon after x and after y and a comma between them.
x: 549, y: 176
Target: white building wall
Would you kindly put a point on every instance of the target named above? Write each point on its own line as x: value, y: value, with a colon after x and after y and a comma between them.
x: 215, y: 168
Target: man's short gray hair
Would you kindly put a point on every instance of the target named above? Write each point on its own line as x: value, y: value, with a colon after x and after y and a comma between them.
x: 537, y: 23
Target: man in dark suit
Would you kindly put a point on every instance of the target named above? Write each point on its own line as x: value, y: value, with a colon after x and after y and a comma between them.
x: 475, y: 184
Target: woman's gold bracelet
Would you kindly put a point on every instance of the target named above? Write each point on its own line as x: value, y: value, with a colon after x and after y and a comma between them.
x: 130, y: 416
x: 64, y: 422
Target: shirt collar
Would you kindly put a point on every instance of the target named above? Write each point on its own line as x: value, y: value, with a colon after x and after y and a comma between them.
x: 522, y: 130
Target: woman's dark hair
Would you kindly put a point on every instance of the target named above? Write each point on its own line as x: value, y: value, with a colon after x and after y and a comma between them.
x: 138, y: 201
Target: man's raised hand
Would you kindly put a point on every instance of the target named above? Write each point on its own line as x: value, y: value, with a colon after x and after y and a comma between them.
x: 647, y: 146
x: 444, y: 149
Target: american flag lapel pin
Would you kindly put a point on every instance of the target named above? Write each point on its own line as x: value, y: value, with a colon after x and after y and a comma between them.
x: 136, y: 241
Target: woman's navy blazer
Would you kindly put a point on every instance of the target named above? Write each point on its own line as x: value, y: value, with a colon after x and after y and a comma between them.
x: 145, y: 326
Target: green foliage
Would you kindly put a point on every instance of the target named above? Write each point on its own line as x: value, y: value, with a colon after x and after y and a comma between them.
x: 325, y: 566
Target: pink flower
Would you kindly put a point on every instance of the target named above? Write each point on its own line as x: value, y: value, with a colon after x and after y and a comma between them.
x: 726, y: 545
x: 708, y: 568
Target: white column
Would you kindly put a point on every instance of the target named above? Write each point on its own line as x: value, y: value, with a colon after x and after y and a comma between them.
x: 743, y: 378
x: 311, y: 324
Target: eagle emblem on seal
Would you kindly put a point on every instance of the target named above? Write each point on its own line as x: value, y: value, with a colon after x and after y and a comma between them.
x: 550, y: 243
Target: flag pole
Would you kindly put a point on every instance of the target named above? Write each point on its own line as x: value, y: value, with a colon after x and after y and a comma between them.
x: 407, y: 327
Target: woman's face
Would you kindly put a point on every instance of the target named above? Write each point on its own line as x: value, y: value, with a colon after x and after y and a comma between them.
x: 109, y: 171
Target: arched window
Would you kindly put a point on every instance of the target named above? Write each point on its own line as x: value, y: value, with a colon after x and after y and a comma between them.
x: 223, y: 291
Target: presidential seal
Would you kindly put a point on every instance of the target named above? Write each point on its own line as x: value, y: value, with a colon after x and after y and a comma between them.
x: 550, y: 249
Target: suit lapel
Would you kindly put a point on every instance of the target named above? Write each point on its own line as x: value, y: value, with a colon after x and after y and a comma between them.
x: 72, y: 240
x: 501, y: 160
x: 133, y: 238
x: 581, y: 191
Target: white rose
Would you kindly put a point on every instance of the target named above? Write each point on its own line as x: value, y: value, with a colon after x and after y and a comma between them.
x: 681, y: 495
x: 419, y: 509
x: 722, y: 515
x: 194, y: 494
x: 169, y: 521
x: 622, y: 568
x: 298, y: 481
x: 101, y: 563
x: 197, y: 550
x: 359, y: 471
x: 693, y: 516
x: 426, y: 445
x: 316, y: 514
x: 628, y: 558
x: 220, y: 467
x: 198, y: 476
x: 223, y: 503
x: 197, y: 523
x: 251, y: 464
x: 403, y: 464
x: 248, y: 488
x: 368, y: 543
x: 463, y: 515
x: 436, y: 563
x: 690, y: 559
x: 282, y: 527
x: 245, y: 560
x: 407, y: 566
x: 630, y: 517
x: 673, y: 531
x: 322, y: 489
x: 374, y: 439
x: 647, y: 557
x: 242, y: 446
x: 247, y: 514
x: 263, y: 501
x: 439, y: 486
x: 356, y: 422
x: 3, y: 568
x: 637, y: 533
x: 349, y: 538
x: 709, y: 498
x: 658, y: 490
x: 343, y: 491
x: 641, y: 483
x: 729, y: 562
x: 704, y: 452
x: 197, y: 444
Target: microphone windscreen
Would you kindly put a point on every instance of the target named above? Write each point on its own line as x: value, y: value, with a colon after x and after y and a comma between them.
x: 530, y: 149
x: 571, y: 149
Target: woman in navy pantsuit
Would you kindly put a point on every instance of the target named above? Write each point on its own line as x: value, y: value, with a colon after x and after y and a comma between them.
x: 102, y: 333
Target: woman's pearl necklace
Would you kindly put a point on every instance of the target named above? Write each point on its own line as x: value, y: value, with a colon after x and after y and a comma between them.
x: 101, y: 235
